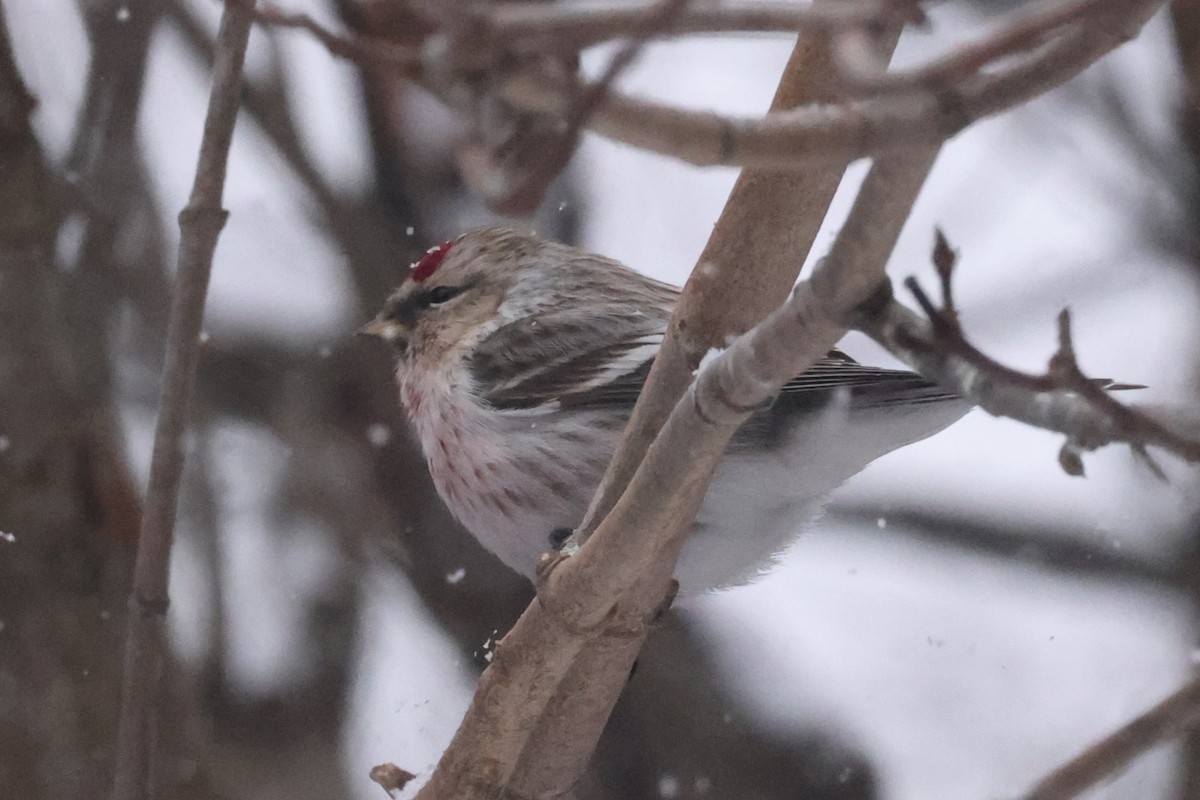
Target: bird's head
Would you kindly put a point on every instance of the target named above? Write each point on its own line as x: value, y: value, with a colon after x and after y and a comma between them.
x: 465, y: 289
x: 503, y: 293
x: 451, y: 296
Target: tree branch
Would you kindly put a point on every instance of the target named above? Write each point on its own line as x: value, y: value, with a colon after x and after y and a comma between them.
x: 1178, y: 713
x: 1062, y: 400
x: 514, y: 177
x: 881, y: 124
x: 200, y: 224
x: 535, y: 27
x: 1026, y: 29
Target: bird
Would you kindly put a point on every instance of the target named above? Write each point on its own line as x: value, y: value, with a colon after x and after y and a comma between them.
x: 519, y: 360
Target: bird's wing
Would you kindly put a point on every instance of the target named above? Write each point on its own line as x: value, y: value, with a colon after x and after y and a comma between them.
x: 868, y: 387
x: 601, y: 362
x: 558, y: 360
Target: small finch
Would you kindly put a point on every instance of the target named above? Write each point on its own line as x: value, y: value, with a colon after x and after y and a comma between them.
x: 520, y: 359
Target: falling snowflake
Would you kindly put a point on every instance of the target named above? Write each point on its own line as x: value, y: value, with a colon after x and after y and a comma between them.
x: 379, y: 434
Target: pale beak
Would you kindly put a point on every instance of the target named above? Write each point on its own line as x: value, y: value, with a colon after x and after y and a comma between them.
x: 386, y: 329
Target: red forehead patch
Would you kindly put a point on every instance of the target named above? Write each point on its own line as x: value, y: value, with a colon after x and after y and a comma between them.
x: 430, y: 262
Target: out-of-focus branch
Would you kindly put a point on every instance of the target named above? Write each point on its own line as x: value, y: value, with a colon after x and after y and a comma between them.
x: 535, y: 27
x: 113, y: 195
x: 1185, y: 21
x: 1178, y: 713
x: 200, y: 224
x: 1063, y: 399
x: 1026, y: 29
x: 480, y: 34
x: 65, y: 507
x: 881, y: 124
x: 491, y: 79
x: 110, y: 180
x: 513, y: 180
x: 1063, y: 549
x: 354, y: 48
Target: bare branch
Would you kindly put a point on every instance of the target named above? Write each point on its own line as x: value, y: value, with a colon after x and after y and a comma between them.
x: 1026, y: 30
x: 1071, y: 547
x: 352, y: 48
x: 879, y: 125
x: 530, y: 27
x: 528, y: 163
x: 1178, y: 713
x: 1063, y: 399
x: 200, y: 224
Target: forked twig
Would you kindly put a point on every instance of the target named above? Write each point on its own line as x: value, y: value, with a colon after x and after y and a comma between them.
x: 1062, y: 399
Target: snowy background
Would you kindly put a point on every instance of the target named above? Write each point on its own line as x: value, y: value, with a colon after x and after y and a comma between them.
x: 956, y: 668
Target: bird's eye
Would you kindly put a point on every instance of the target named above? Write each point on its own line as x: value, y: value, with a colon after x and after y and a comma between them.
x: 440, y: 294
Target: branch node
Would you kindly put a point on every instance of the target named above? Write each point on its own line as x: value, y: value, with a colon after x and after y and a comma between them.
x: 211, y: 220
x: 1063, y: 364
x: 150, y: 607
x: 944, y: 261
x: 873, y: 306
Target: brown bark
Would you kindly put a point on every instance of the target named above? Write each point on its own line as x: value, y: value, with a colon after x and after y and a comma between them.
x: 65, y: 504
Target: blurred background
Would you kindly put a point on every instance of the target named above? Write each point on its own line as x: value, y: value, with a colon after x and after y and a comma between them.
x: 963, y: 618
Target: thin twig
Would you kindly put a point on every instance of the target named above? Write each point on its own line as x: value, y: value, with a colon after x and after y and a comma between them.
x: 200, y: 224
x: 1178, y: 713
x: 1062, y: 399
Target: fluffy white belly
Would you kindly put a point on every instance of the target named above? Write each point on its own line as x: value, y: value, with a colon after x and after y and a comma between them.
x: 514, y: 484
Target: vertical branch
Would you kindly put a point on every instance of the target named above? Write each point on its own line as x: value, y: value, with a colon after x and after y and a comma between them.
x: 200, y: 224
x: 67, y: 558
